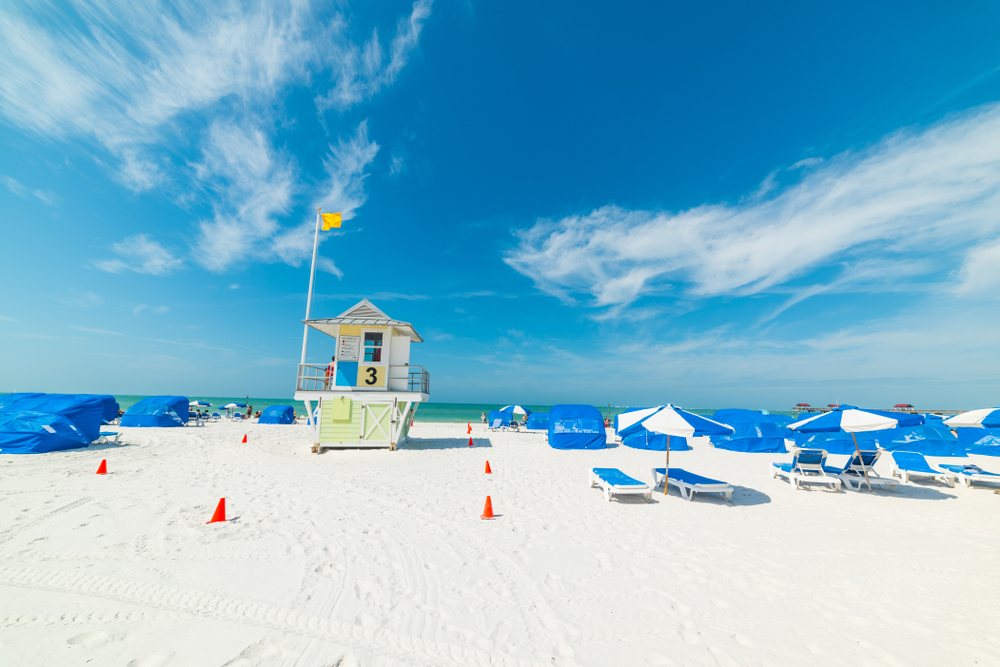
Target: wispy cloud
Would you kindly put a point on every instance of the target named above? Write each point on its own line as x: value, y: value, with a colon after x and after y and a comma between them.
x: 929, y: 195
x: 47, y: 197
x: 256, y: 185
x: 103, y: 332
x: 140, y: 254
x: 363, y: 71
x: 138, y: 80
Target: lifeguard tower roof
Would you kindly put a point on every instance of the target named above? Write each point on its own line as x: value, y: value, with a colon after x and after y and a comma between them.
x: 364, y: 314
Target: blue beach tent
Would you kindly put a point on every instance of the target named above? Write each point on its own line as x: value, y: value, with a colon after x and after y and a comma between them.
x: 538, y: 421
x: 277, y: 414
x: 504, y: 417
x: 157, y: 411
x: 576, y: 427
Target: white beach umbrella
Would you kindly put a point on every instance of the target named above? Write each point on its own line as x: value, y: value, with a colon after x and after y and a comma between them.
x: 626, y: 419
x: 516, y: 409
x: 985, y: 418
x: 671, y: 420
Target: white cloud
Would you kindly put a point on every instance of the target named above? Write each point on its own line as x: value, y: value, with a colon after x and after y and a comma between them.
x: 362, y: 71
x: 981, y: 272
x: 140, y: 79
x: 139, y: 254
x: 234, y: 286
x: 808, y: 162
x: 256, y: 185
x: 14, y: 186
x: 103, y: 332
x: 923, y: 195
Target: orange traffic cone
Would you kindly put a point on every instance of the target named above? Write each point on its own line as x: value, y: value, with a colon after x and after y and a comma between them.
x: 488, y: 509
x: 220, y: 512
x: 470, y: 441
x: 470, y: 428
x: 244, y: 439
x: 103, y: 468
x: 488, y: 471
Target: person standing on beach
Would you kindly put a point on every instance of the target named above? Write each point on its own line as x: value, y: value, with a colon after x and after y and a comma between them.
x: 482, y: 417
x: 331, y: 371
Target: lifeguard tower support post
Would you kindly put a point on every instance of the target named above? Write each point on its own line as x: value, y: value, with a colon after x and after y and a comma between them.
x: 372, y: 394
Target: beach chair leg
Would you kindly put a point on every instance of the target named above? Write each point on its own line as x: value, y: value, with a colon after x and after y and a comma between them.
x: 607, y: 494
x: 950, y: 481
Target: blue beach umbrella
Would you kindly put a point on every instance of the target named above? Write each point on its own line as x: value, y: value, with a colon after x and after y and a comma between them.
x: 671, y: 420
x: 515, y: 409
x: 850, y: 419
x: 985, y: 418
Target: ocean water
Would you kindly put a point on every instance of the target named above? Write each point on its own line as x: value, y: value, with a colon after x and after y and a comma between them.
x: 428, y: 412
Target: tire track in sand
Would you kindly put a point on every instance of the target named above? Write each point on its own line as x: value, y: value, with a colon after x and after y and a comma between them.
x: 157, y: 597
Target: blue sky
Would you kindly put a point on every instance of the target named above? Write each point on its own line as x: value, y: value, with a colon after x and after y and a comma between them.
x: 716, y: 205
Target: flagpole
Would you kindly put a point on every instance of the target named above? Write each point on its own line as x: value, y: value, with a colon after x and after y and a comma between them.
x: 312, y: 278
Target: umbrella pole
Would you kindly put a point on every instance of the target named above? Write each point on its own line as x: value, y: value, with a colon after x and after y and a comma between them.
x: 666, y: 471
x: 863, y: 468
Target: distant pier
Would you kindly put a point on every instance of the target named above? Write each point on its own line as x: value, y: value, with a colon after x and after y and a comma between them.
x: 808, y: 409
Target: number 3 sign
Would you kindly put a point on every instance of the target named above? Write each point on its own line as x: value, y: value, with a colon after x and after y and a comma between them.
x: 371, y: 376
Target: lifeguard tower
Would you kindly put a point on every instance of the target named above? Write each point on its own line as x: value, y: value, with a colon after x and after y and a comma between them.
x: 368, y: 396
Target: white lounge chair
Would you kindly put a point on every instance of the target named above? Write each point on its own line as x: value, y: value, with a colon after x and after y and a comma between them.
x: 496, y: 425
x: 613, y: 481
x: 689, y: 483
x: 970, y: 473
x: 806, y: 468
x: 108, y: 438
x: 852, y: 473
x: 911, y: 464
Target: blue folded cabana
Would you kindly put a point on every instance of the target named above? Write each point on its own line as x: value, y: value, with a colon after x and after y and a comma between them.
x: 39, y: 423
x: 837, y: 443
x: 157, y: 411
x: 970, y: 435
x: 764, y: 436
x: 110, y: 407
x: 504, y: 417
x: 929, y: 440
x: 576, y: 427
x: 277, y: 414
x: 538, y: 421
x: 8, y: 401
x: 988, y: 445
x: 82, y: 410
x: 642, y: 439
x: 24, y: 432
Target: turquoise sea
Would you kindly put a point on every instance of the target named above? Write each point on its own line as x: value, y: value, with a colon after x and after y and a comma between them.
x: 429, y: 412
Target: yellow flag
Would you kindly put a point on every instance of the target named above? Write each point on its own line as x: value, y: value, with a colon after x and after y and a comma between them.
x: 330, y: 220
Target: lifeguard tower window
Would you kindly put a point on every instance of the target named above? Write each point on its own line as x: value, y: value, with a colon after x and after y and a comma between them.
x: 373, y: 346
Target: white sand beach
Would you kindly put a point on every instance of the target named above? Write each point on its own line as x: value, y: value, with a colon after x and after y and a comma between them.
x: 371, y: 558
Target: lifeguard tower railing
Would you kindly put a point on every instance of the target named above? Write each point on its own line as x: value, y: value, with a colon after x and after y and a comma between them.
x: 312, y: 377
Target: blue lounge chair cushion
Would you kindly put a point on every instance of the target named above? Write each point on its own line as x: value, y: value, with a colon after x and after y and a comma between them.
x: 616, y: 477
x: 108, y: 433
x: 913, y: 462
x: 787, y: 467
x: 682, y: 475
x: 969, y: 470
